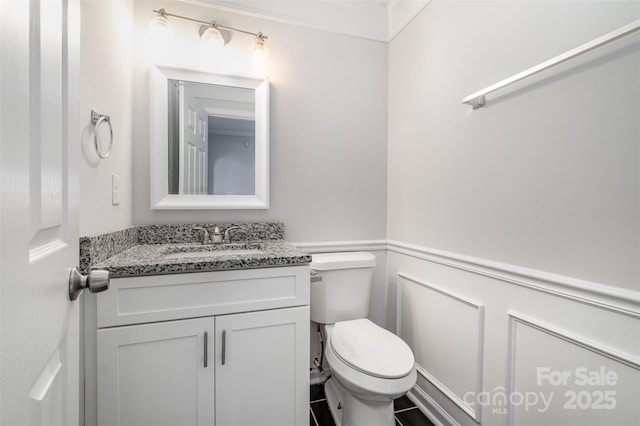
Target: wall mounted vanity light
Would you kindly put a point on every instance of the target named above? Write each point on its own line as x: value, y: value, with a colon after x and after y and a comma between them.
x: 211, y: 35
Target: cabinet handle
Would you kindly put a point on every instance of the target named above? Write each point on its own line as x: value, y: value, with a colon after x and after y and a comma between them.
x: 206, y: 349
x: 224, y: 346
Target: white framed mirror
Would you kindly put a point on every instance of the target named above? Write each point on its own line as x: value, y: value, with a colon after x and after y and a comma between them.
x: 209, y: 140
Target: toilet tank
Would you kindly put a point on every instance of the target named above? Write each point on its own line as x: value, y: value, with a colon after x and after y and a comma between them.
x: 340, y: 286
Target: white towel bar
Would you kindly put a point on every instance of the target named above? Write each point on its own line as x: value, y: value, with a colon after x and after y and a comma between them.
x: 477, y: 99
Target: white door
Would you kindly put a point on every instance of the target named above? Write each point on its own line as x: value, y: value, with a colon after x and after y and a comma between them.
x: 194, y: 141
x: 262, y: 362
x: 159, y: 374
x: 39, y: 140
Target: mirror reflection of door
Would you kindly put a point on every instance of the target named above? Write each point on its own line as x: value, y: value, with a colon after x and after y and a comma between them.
x: 211, y: 139
x: 193, y: 142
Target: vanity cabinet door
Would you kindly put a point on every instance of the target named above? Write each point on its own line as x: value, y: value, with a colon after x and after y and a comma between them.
x: 262, y: 368
x: 156, y: 374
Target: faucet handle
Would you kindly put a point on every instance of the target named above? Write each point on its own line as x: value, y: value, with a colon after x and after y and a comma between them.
x: 227, y: 233
x: 206, y: 238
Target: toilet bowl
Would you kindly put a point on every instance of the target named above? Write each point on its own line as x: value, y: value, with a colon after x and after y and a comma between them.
x: 369, y: 365
x: 370, y: 368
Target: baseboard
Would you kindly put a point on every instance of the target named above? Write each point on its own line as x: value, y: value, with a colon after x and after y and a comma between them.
x: 430, y: 408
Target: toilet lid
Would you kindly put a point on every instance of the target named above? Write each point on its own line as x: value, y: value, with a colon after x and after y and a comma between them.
x: 342, y: 260
x: 371, y: 349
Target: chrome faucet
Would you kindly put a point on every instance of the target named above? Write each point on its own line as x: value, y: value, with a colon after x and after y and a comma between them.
x: 227, y: 234
x: 206, y: 238
x: 217, y: 236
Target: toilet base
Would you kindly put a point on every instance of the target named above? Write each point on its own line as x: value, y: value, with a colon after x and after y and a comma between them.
x: 349, y: 410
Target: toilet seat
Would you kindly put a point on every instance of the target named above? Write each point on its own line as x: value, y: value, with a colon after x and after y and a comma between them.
x: 371, y: 349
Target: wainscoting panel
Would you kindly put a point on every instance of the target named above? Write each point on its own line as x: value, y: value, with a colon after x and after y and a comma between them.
x: 445, y: 331
x: 500, y: 345
x: 574, y: 381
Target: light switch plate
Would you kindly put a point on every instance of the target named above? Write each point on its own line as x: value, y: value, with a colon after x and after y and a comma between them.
x: 115, y: 189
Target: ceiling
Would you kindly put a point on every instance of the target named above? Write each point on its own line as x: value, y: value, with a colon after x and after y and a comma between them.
x: 377, y: 20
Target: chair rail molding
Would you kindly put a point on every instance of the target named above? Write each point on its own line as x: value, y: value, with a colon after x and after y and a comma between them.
x: 614, y: 299
x: 607, y: 297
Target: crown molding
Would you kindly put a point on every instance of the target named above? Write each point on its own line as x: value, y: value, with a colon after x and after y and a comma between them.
x: 401, y: 12
x: 378, y: 20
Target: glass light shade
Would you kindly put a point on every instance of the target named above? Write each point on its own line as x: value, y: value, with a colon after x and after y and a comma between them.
x: 258, y: 59
x: 161, y: 38
x: 212, y: 38
x: 160, y: 28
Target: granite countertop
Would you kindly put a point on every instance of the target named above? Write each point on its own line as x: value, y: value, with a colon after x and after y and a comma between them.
x: 151, y: 259
x: 152, y: 249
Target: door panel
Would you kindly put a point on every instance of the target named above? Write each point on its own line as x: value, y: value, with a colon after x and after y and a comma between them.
x: 38, y: 212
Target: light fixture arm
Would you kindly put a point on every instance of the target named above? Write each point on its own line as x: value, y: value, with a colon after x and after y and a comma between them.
x: 164, y: 13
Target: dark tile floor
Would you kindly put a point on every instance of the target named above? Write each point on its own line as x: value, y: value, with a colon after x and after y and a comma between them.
x: 407, y: 414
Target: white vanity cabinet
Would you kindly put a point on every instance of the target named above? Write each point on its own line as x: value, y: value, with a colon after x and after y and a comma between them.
x: 264, y: 379
x: 153, y: 374
x: 223, y: 348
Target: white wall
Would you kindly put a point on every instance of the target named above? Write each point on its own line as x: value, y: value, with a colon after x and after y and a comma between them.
x: 514, y: 229
x: 106, y: 86
x: 547, y: 174
x: 106, y: 78
x: 328, y: 125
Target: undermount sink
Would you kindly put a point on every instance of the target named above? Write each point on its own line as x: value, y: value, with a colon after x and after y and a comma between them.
x: 212, y: 251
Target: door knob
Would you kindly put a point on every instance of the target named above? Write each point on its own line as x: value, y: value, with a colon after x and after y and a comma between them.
x: 96, y: 281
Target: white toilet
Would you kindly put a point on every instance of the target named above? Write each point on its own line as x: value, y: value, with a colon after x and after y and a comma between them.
x: 370, y: 366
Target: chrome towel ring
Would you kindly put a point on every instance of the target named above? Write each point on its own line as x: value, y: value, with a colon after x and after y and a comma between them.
x: 97, y: 119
